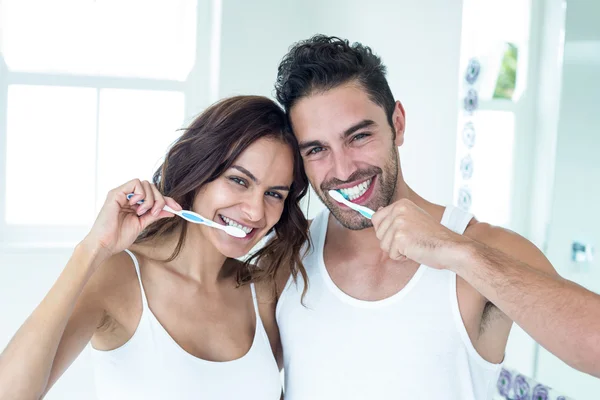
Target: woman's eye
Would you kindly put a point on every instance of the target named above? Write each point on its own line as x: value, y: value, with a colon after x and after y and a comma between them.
x: 274, y: 194
x: 239, y: 181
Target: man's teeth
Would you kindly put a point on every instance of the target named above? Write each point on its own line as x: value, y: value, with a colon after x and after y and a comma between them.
x: 233, y: 223
x: 356, y: 191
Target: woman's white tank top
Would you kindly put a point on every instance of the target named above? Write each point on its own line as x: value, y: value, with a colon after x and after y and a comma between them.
x: 151, y: 365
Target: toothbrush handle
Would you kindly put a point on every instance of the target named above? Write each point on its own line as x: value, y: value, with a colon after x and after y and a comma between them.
x: 200, y: 219
x: 130, y: 195
x: 366, y: 212
x: 166, y: 208
x: 169, y: 209
x: 204, y: 221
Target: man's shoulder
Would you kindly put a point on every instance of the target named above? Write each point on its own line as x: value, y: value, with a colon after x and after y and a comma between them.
x: 493, y: 235
x: 510, y: 243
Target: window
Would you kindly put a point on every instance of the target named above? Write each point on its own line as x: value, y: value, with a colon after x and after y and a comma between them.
x: 486, y: 169
x: 94, y: 96
x: 133, y: 38
x: 135, y: 130
x: 494, y: 69
x: 497, y: 34
x: 41, y: 187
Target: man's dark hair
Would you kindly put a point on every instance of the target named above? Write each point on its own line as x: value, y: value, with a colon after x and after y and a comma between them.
x: 325, y: 62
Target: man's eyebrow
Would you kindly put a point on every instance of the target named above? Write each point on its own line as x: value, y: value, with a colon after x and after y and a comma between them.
x: 365, y: 123
x: 311, y: 143
x: 318, y: 143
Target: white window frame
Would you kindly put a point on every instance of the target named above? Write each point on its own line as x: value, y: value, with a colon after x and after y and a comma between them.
x: 523, y: 109
x: 200, y: 88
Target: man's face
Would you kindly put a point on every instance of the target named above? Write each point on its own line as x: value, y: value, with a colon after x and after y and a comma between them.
x: 347, y: 144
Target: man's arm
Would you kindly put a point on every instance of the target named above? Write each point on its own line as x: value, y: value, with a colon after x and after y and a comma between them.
x: 507, y: 270
x: 518, y: 279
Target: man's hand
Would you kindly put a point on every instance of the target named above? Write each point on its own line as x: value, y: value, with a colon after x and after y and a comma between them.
x: 405, y: 230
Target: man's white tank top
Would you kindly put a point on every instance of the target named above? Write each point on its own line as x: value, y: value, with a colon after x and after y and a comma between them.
x: 151, y: 365
x: 412, y: 345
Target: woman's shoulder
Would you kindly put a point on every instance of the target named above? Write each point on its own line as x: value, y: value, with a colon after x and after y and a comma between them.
x: 118, y: 266
x: 113, y: 280
x: 267, y: 301
x: 266, y: 291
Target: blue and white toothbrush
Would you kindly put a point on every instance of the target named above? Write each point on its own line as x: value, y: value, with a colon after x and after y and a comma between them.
x: 199, y: 219
x: 364, y: 211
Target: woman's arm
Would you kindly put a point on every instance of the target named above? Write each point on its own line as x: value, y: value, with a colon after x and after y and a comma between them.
x: 64, y: 322
x: 66, y: 319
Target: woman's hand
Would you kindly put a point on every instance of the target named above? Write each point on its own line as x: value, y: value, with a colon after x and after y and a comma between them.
x: 120, y: 220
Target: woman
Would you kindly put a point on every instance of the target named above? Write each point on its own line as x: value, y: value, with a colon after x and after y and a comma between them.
x: 164, y: 302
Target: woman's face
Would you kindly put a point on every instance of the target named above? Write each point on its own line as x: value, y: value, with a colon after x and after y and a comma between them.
x: 250, y: 195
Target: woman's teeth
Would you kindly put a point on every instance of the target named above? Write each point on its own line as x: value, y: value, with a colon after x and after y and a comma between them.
x: 356, y: 191
x: 231, y: 222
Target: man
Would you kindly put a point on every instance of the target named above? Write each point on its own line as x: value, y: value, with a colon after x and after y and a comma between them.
x: 418, y: 302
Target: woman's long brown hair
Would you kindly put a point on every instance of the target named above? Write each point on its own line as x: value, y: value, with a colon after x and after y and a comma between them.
x: 207, y: 148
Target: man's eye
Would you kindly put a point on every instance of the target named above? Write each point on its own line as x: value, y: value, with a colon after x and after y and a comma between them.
x: 315, y: 150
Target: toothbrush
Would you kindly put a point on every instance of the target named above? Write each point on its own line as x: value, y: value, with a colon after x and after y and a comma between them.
x: 199, y: 219
x: 364, y: 211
